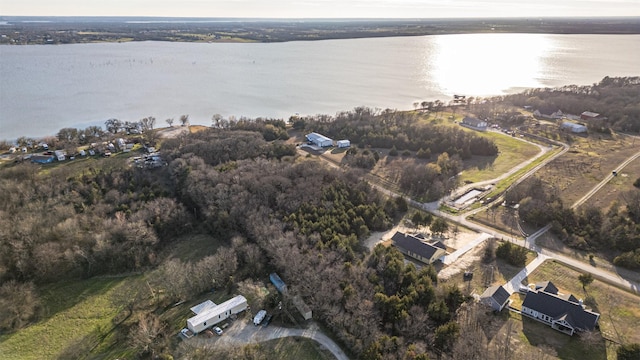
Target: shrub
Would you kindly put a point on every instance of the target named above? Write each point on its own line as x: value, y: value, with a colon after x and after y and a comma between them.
x: 513, y: 254
x: 629, y: 352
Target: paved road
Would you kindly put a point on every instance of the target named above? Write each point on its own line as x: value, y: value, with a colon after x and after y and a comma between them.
x: 529, y: 241
x: 243, y: 332
x: 514, y: 284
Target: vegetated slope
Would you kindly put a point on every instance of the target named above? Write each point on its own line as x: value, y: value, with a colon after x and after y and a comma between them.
x: 266, y: 211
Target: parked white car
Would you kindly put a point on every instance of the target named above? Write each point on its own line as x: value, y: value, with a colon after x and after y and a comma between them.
x: 259, y: 317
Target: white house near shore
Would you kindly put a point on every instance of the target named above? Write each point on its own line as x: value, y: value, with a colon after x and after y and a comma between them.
x: 474, y: 123
x: 210, y: 314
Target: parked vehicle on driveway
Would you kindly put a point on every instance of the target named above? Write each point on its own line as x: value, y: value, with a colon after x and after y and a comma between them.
x: 267, y: 320
x: 259, y: 317
x: 217, y: 330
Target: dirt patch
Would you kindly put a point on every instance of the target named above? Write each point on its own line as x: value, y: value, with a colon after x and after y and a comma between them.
x: 618, y: 185
x: 589, y: 160
x: 172, y: 132
x: 464, y: 263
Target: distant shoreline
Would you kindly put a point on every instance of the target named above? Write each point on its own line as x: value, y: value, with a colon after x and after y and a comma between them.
x: 78, y: 30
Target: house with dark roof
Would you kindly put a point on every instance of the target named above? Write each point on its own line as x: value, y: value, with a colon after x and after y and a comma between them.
x: 474, y: 123
x: 562, y: 312
x: 417, y: 248
x: 497, y: 297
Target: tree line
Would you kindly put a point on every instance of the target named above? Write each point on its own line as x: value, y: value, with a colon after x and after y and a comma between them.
x: 615, y: 98
x: 400, y: 130
x: 615, y: 231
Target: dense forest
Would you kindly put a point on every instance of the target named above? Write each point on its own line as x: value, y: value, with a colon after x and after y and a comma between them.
x: 267, y: 209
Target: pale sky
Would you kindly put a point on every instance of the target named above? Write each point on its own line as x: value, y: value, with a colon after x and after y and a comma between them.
x: 322, y: 8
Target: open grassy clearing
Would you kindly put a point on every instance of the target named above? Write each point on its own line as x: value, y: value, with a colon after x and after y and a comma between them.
x: 192, y: 248
x: 504, y: 184
x: 588, y: 161
x: 77, y: 315
x: 512, y: 153
x: 619, y: 310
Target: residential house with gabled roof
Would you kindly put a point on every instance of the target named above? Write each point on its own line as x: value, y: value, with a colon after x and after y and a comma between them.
x: 474, y: 123
x: 417, y: 248
x: 497, y: 297
x: 564, y: 313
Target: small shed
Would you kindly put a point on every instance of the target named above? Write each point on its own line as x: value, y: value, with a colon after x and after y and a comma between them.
x: 343, y: 143
x: 302, y: 307
x: 278, y: 283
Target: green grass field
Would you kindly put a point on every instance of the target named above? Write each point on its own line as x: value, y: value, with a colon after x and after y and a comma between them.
x: 512, y: 153
x: 77, y: 316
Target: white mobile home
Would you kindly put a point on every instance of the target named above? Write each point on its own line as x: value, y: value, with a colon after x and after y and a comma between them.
x: 210, y: 316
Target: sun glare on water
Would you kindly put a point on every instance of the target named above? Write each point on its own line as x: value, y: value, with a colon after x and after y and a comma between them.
x: 488, y: 64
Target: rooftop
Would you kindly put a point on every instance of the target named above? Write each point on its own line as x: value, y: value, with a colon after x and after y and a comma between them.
x: 415, y: 245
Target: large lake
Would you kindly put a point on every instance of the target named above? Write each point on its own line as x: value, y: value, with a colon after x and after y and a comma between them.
x: 45, y: 88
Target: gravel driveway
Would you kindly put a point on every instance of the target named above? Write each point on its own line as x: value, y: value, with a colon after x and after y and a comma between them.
x: 243, y: 332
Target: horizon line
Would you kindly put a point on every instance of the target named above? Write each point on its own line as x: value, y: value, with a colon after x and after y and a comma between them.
x: 327, y: 18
